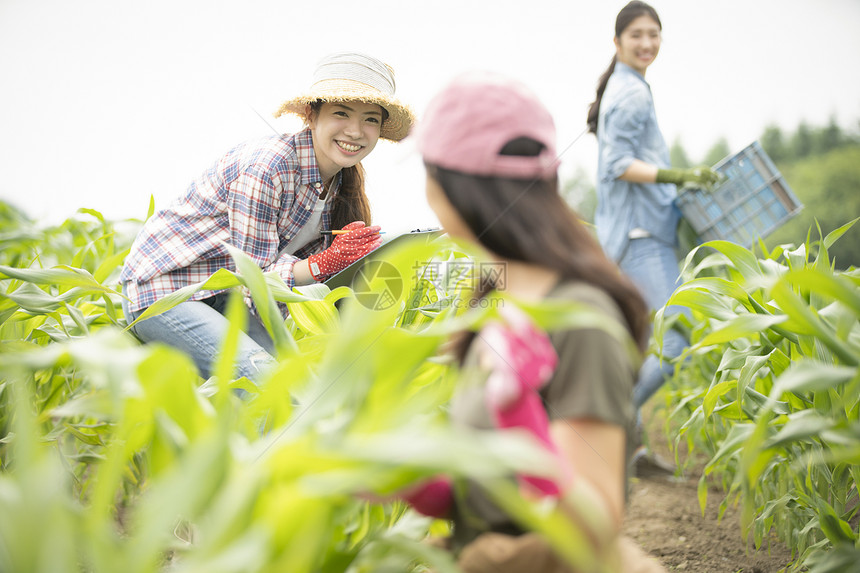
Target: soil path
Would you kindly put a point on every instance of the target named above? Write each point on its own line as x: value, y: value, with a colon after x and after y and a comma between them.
x: 665, y: 519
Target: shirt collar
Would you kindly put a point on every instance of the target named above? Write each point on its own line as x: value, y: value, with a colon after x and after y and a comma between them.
x: 625, y: 69
x: 310, y: 172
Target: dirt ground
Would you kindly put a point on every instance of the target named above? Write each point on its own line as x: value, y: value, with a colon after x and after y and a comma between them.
x: 665, y: 519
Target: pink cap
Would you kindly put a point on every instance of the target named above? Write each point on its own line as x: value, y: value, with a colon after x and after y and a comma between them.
x: 468, y: 123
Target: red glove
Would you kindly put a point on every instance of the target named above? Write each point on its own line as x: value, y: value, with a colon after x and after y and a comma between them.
x: 345, y: 250
x: 523, y: 361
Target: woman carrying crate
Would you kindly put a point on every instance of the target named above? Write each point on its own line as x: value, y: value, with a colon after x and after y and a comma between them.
x: 636, y: 217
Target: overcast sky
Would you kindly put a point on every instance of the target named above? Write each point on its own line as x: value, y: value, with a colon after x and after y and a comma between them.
x: 106, y: 102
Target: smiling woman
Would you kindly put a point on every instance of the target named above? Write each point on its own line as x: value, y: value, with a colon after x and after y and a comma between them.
x: 344, y: 133
x: 636, y: 217
x: 275, y: 199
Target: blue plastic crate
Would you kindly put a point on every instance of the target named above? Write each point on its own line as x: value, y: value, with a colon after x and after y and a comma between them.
x: 751, y: 202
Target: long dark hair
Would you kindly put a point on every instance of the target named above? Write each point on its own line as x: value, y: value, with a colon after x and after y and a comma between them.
x: 627, y: 14
x: 528, y: 221
x: 351, y: 202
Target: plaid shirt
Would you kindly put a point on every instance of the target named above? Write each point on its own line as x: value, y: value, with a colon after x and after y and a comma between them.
x: 256, y: 198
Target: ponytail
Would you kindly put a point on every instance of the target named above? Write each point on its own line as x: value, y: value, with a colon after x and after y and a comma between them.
x: 594, y: 109
x: 630, y: 12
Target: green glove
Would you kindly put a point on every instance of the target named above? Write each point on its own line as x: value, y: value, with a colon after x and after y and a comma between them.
x: 704, y: 177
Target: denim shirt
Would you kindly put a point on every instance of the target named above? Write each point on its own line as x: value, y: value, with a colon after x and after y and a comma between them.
x: 626, y: 130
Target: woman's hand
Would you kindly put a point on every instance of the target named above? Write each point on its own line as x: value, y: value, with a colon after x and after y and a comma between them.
x: 346, y: 248
x: 703, y: 177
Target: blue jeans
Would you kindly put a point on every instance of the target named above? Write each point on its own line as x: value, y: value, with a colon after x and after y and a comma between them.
x: 198, y: 328
x: 652, y: 266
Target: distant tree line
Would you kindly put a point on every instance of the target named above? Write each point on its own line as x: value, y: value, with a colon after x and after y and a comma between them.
x: 806, y: 141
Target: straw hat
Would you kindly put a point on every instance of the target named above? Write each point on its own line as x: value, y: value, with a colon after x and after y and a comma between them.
x: 350, y: 76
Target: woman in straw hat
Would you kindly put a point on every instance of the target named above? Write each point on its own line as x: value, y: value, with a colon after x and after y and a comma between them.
x: 275, y: 199
x: 489, y: 148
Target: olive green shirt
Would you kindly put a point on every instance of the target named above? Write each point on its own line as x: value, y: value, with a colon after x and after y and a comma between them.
x: 593, y: 379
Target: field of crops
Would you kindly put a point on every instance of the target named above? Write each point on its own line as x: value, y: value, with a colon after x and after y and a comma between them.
x: 769, y: 392
x: 116, y: 456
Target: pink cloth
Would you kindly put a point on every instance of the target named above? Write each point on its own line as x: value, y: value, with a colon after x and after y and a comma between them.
x: 431, y: 498
x: 523, y: 361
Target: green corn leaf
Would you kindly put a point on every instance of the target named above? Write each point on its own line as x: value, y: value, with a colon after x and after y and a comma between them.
x: 267, y: 309
x: 731, y: 411
x: 282, y: 293
x: 220, y: 280
x: 779, y: 329
x: 753, y: 365
x: 224, y: 366
x: 96, y: 405
x: 754, y: 461
x: 714, y: 393
x: 797, y: 258
x: 85, y: 437
x: 835, y: 234
x: 741, y: 259
x: 779, y: 362
x: 182, y: 489
x: 60, y: 276
x: 841, y: 435
x: 337, y: 294
x: 749, y: 371
x: 150, y: 211
x: 837, y: 530
x: 759, y: 400
x: 775, y: 506
x: 743, y: 326
x: 811, y: 376
x: 702, y: 492
x: 441, y: 561
x: 829, y: 285
x: 733, y: 358
x: 702, y: 302
x: 166, y: 302
x: 733, y: 443
x: 315, y: 316
x: 842, y: 558
x: 836, y: 455
x: 33, y: 299
x: 800, y: 427
x: 94, y: 213
x: 802, y: 315
x: 716, y: 286
x: 109, y: 264
x: 711, y: 263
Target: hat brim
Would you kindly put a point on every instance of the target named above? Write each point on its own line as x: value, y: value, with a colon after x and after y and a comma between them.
x: 395, y: 127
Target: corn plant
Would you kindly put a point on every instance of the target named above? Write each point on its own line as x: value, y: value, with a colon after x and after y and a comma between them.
x: 769, y: 391
x: 117, y: 456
